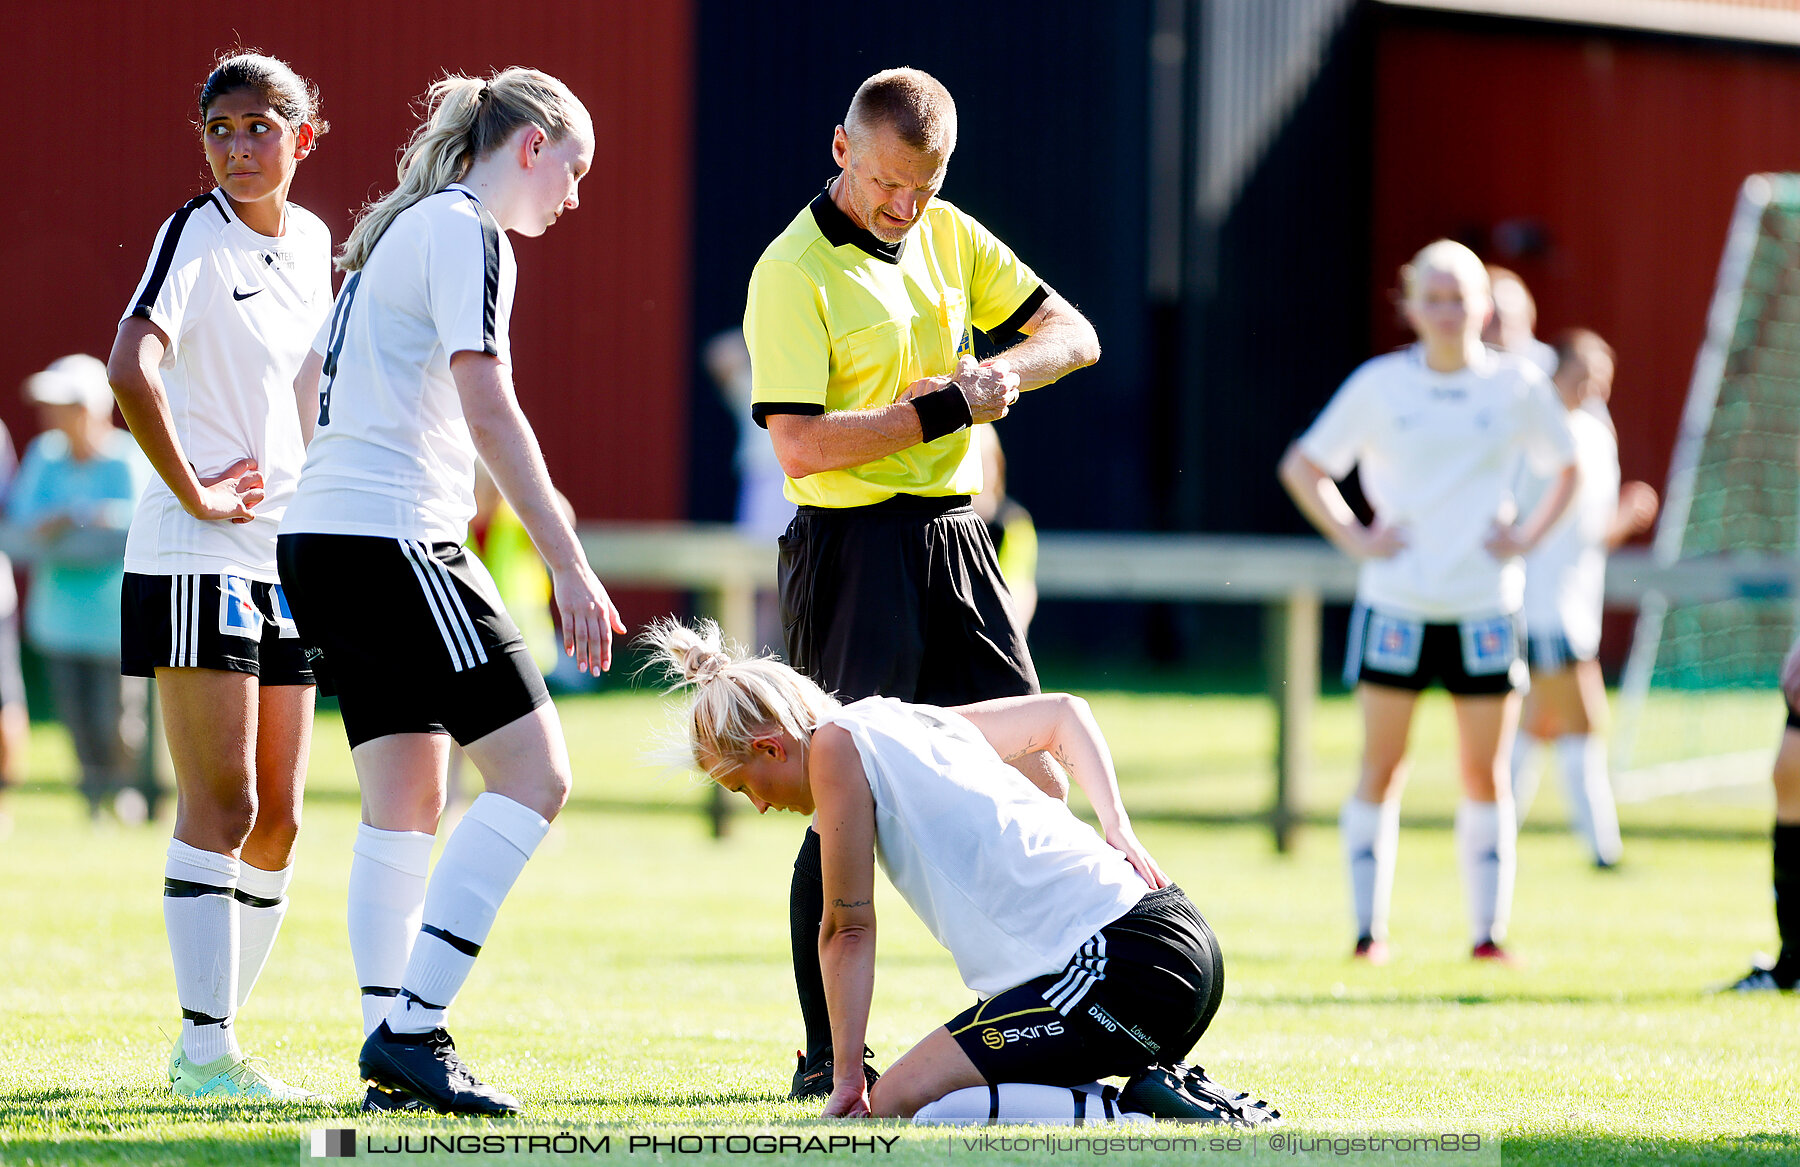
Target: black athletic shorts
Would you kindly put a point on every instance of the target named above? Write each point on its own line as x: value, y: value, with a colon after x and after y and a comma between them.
x: 410, y: 636
x: 210, y: 622
x: 1483, y: 656
x: 902, y: 599
x: 1140, y: 990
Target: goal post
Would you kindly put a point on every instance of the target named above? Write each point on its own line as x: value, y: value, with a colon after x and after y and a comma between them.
x: 1696, y: 704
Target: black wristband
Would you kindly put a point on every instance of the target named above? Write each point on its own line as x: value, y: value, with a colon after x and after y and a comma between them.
x: 942, y: 411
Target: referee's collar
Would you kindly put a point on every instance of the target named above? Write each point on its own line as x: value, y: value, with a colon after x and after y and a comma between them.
x: 840, y: 229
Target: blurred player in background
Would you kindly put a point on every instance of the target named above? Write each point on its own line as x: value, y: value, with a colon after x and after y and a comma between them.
x: 1088, y: 961
x: 84, y: 473
x: 860, y: 324
x: 1565, y: 596
x: 409, y: 627
x: 1437, y: 429
x: 1009, y: 526
x: 1512, y: 326
x: 763, y: 508
x: 205, y: 368
x: 1783, y: 973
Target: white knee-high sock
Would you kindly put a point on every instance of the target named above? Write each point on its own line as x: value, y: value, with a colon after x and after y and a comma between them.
x: 202, y: 920
x: 387, y: 895
x: 1589, y: 791
x: 262, y: 905
x: 1025, y: 1102
x: 480, y: 863
x: 1371, y: 836
x: 1525, y: 773
x: 1486, y: 842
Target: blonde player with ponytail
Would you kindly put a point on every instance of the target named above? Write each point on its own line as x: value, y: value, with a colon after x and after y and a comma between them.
x: 1087, y: 960
x: 407, y: 626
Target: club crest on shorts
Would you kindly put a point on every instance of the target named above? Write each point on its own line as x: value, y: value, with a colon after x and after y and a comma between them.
x: 238, y: 615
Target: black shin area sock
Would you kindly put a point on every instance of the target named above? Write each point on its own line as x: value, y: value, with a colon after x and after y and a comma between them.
x: 806, y: 907
x: 1787, y: 899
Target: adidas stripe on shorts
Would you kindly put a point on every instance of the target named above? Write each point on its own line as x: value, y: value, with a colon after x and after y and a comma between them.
x: 222, y: 622
x: 410, y: 636
x: 1140, y: 990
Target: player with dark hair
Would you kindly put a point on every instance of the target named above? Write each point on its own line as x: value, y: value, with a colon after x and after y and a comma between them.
x: 417, y: 362
x: 1088, y: 961
x: 860, y: 327
x: 206, y: 368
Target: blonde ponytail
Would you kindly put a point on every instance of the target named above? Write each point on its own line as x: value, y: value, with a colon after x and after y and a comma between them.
x: 465, y: 119
x: 736, y: 696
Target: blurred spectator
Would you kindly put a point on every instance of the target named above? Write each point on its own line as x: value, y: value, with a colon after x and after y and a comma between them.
x: 1512, y: 326
x: 763, y: 509
x: 15, y: 725
x: 1009, y: 526
x: 84, y: 473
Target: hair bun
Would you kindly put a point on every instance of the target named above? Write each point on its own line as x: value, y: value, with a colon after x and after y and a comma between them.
x: 700, y: 663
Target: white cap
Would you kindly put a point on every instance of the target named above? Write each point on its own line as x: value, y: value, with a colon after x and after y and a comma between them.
x: 72, y: 380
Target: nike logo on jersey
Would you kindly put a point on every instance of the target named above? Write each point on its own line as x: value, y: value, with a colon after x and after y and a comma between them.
x: 237, y: 295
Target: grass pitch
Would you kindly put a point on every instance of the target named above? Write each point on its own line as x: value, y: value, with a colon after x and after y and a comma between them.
x: 637, y: 981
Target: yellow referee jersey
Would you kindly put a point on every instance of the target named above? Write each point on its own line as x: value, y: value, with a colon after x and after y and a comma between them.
x: 838, y: 320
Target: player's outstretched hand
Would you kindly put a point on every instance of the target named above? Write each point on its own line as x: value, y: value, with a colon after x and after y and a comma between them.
x: 849, y: 1098
x: 587, y: 615
x: 1379, y: 541
x: 234, y: 493
x: 1122, y: 838
x: 1790, y: 676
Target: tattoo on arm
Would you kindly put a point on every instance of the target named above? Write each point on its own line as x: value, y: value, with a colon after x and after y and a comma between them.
x: 1031, y: 746
x: 851, y: 904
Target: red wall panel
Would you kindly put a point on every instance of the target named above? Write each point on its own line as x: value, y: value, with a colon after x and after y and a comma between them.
x: 103, y: 149
x: 1628, y: 151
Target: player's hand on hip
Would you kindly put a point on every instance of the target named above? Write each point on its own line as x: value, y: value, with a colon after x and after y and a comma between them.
x: 1378, y: 541
x: 234, y: 493
x: 849, y: 1098
x: 587, y: 615
x: 1122, y: 838
x: 1504, y: 541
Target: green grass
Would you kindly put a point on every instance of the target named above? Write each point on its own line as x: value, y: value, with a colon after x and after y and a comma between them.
x: 637, y: 981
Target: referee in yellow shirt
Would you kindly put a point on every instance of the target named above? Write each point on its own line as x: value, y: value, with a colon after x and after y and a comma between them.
x: 859, y: 326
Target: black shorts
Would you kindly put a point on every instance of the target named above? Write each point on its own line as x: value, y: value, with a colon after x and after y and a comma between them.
x: 1140, y: 990
x: 1478, y: 657
x: 411, y: 637
x: 210, y: 622
x: 902, y: 599
x: 1550, y: 651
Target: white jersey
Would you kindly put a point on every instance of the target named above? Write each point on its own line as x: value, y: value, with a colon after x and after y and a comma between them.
x: 392, y: 455
x: 1565, y: 575
x: 1005, y: 877
x: 1439, y: 453
x: 239, y: 310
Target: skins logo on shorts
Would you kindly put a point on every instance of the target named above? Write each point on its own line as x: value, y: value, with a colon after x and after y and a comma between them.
x: 996, y: 1038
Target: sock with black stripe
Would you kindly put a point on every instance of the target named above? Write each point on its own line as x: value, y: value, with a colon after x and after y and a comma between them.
x: 201, y: 916
x: 1787, y: 900
x: 806, y: 908
x: 262, y: 905
x: 480, y: 863
x: 1026, y: 1102
x: 387, y: 898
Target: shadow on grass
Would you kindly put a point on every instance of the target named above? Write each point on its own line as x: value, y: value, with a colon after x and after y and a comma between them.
x: 1413, y: 1000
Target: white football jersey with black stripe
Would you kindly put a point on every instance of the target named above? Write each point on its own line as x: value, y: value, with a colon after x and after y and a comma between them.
x: 240, y: 311
x: 392, y: 455
x: 1006, y: 878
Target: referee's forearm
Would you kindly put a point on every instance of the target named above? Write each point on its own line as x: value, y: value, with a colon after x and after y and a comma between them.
x: 840, y: 439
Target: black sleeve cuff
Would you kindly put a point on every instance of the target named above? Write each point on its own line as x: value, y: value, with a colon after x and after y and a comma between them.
x: 1023, y: 312
x: 760, y: 411
x: 942, y: 411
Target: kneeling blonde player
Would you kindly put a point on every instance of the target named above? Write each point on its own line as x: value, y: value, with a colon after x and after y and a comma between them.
x: 1089, y: 962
